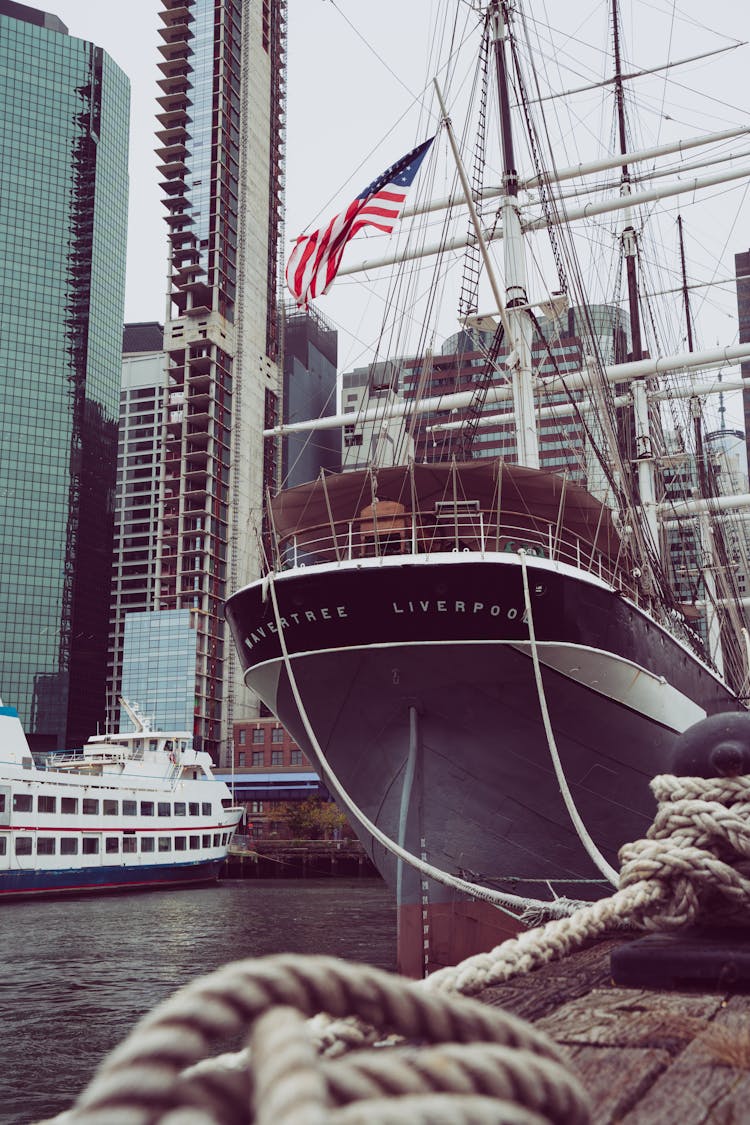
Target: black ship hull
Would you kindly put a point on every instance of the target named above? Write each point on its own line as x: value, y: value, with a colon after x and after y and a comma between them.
x: 418, y: 682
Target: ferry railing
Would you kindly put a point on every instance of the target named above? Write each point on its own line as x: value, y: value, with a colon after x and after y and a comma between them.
x: 474, y: 532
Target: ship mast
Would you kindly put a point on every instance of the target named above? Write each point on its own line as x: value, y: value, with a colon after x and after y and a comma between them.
x: 527, y: 437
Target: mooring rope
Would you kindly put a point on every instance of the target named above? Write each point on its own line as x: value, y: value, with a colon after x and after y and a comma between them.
x: 592, y: 851
x: 478, y: 1062
x: 475, y: 1064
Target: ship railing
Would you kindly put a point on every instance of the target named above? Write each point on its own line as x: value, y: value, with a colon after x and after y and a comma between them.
x: 469, y: 530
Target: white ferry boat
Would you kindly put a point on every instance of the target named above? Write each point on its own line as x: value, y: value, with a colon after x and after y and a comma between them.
x: 128, y: 811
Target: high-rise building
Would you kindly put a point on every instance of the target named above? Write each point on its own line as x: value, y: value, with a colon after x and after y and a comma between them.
x: 139, y: 461
x: 221, y: 148
x: 310, y: 357
x: 63, y: 161
x: 742, y: 274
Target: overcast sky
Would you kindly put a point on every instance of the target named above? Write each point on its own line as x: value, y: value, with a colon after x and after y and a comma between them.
x: 351, y: 106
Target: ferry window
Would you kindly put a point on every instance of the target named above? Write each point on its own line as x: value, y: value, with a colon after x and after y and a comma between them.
x: 111, y: 808
x: 147, y: 844
x: 22, y: 803
x: 45, y: 845
x: 129, y: 808
x: 23, y: 845
x: 46, y: 804
x: 69, y: 805
x: 164, y: 809
x: 180, y: 843
x: 67, y: 845
x: 225, y: 837
x: 259, y: 736
x: 147, y: 808
x: 179, y: 808
x: 194, y: 808
x: 165, y: 844
x: 90, y: 844
x: 277, y: 734
x: 277, y: 757
x: 206, y: 839
x: 2, y: 802
x: 217, y: 839
x: 206, y: 808
x: 4, y: 844
x: 90, y: 807
x: 129, y: 843
x: 295, y: 757
x: 258, y: 756
x: 111, y: 844
x: 226, y: 802
x: 195, y: 842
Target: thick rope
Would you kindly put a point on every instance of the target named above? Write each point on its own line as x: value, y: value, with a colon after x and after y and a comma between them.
x: 476, y: 1063
x: 590, y: 847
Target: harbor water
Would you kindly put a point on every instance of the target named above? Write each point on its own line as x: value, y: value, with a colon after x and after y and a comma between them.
x: 78, y: 973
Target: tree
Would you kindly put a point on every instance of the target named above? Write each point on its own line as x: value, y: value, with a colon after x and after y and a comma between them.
x: 313, y: 819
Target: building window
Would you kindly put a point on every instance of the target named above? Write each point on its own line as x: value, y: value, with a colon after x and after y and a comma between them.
x: 241, y: 758
x: 277, y: 734
x: 295, y: 757
x: 242, y: 737
x: 256, y: 806
x: 258, y: 757
x: 277, y: 757
x: 259, y: 736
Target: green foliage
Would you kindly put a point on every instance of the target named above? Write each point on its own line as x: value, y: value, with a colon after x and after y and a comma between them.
x: 313, y: 819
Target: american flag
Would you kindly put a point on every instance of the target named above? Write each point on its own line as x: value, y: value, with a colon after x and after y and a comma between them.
x: 315, y: 259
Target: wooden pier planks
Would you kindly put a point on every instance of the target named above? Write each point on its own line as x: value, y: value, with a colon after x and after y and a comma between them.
x: 646, y: 1057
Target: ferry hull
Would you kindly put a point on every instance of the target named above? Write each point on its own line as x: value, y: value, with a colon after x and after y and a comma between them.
x: 40, y: 883
x: 439, y: 739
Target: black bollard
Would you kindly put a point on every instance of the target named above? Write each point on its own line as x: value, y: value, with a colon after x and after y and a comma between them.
x: 708, y: 957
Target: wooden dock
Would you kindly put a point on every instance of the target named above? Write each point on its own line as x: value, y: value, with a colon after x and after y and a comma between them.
x: 647, y: 1057
x: 298, y: 859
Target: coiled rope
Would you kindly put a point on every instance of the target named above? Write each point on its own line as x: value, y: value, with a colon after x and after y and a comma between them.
x: 479, y: 1064
x: 476, y: 1064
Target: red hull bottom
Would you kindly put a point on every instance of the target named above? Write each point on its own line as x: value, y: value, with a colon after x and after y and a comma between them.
x: 433, y: 936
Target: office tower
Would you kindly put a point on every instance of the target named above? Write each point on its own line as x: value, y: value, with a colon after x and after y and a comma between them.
x: 139, y: 458
x: 310, y: 355
x: 64, y: 146
x: 220, y: 152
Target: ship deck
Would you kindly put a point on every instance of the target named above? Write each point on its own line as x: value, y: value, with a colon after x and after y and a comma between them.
x: 646, y: 1056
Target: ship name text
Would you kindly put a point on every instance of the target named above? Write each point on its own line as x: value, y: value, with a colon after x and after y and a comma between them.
x: 305, y: 616
x: 444, y: 605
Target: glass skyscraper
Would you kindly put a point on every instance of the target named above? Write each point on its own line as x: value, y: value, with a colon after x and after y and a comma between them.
x: 63, y: 216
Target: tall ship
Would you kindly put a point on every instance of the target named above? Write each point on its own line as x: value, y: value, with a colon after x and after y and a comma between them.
x: 488, y: 658
x: 134, y: 810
